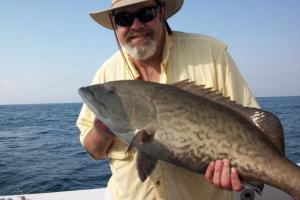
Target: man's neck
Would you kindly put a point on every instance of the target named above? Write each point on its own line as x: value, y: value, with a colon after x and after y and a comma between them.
x: 149, y: 69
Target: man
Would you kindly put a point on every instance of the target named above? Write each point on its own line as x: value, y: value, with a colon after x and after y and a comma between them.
x: 150, y: 51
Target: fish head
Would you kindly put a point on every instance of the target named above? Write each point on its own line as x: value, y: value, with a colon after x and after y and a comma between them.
x: 123, y: 106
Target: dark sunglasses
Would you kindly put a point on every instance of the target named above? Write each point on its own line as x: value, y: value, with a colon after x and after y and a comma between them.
x: 144, y: 15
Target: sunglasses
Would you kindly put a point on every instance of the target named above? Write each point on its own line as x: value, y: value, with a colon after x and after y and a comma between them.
x: 144, y: 15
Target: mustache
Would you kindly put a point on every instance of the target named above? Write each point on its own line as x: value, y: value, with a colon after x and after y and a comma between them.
x: 138, y: 33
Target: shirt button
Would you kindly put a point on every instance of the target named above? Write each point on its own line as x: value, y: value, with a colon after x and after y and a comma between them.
x: 158, y: 183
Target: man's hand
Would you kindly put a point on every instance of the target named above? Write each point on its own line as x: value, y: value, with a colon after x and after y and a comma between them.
x: 221, y: 175
x: 98, y: 141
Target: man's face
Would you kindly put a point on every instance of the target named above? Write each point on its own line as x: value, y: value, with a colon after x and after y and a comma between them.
x: 141, y: 39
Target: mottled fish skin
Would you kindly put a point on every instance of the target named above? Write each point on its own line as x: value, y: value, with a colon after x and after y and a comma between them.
x: 190, y: 130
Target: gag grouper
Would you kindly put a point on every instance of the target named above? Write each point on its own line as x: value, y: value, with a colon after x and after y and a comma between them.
x: 189, y: 126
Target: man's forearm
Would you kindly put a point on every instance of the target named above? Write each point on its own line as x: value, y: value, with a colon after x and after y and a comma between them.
x: 97, y: 142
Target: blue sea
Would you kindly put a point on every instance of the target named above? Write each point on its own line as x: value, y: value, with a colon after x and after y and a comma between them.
x: 40, y: 149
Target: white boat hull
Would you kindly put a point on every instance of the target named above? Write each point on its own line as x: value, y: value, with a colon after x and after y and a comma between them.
x: 269, y: 193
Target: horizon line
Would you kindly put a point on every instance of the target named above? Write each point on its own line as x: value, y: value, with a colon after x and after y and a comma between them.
x: 78, y: 102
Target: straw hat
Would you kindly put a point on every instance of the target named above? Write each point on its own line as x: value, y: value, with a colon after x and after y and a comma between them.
x: 102, y: 16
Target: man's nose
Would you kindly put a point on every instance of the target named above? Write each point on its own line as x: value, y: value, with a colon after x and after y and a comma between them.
x: 137, y: 23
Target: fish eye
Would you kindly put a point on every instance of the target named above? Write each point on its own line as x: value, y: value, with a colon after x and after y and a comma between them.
x: 112, y: 90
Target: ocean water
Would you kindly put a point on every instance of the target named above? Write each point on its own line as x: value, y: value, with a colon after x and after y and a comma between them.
x: 40, y: 149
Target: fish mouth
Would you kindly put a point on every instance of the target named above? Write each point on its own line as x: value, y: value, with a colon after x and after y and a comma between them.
x: 88, y: 96
x: 83, y: 91
x: 94, y: 103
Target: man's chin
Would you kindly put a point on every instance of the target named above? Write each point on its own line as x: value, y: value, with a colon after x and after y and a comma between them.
x: 139, y: 54
x: 141, y: 50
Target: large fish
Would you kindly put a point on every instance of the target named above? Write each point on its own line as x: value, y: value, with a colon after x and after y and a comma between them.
x: 189, y: 126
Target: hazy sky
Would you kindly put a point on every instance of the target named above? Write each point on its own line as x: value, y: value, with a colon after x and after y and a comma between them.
x: 50, y: 48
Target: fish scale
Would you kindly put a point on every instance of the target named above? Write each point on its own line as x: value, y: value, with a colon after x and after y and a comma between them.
x: 210, y: 118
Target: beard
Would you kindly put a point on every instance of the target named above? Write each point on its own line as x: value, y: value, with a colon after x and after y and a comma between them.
x: 142, y: 51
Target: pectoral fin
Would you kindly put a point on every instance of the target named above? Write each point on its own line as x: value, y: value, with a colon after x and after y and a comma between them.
x: 143, y: 136
x: 145, y: 165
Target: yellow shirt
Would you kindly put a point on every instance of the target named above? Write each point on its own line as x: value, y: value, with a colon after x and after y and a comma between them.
x: 185, y: 56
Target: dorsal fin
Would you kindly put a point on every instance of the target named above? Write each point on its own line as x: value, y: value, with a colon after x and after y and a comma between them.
x: 265, y: 121
x: 270, y: 126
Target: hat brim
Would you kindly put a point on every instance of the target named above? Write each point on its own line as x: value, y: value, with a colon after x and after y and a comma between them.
x: 102, y: 17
